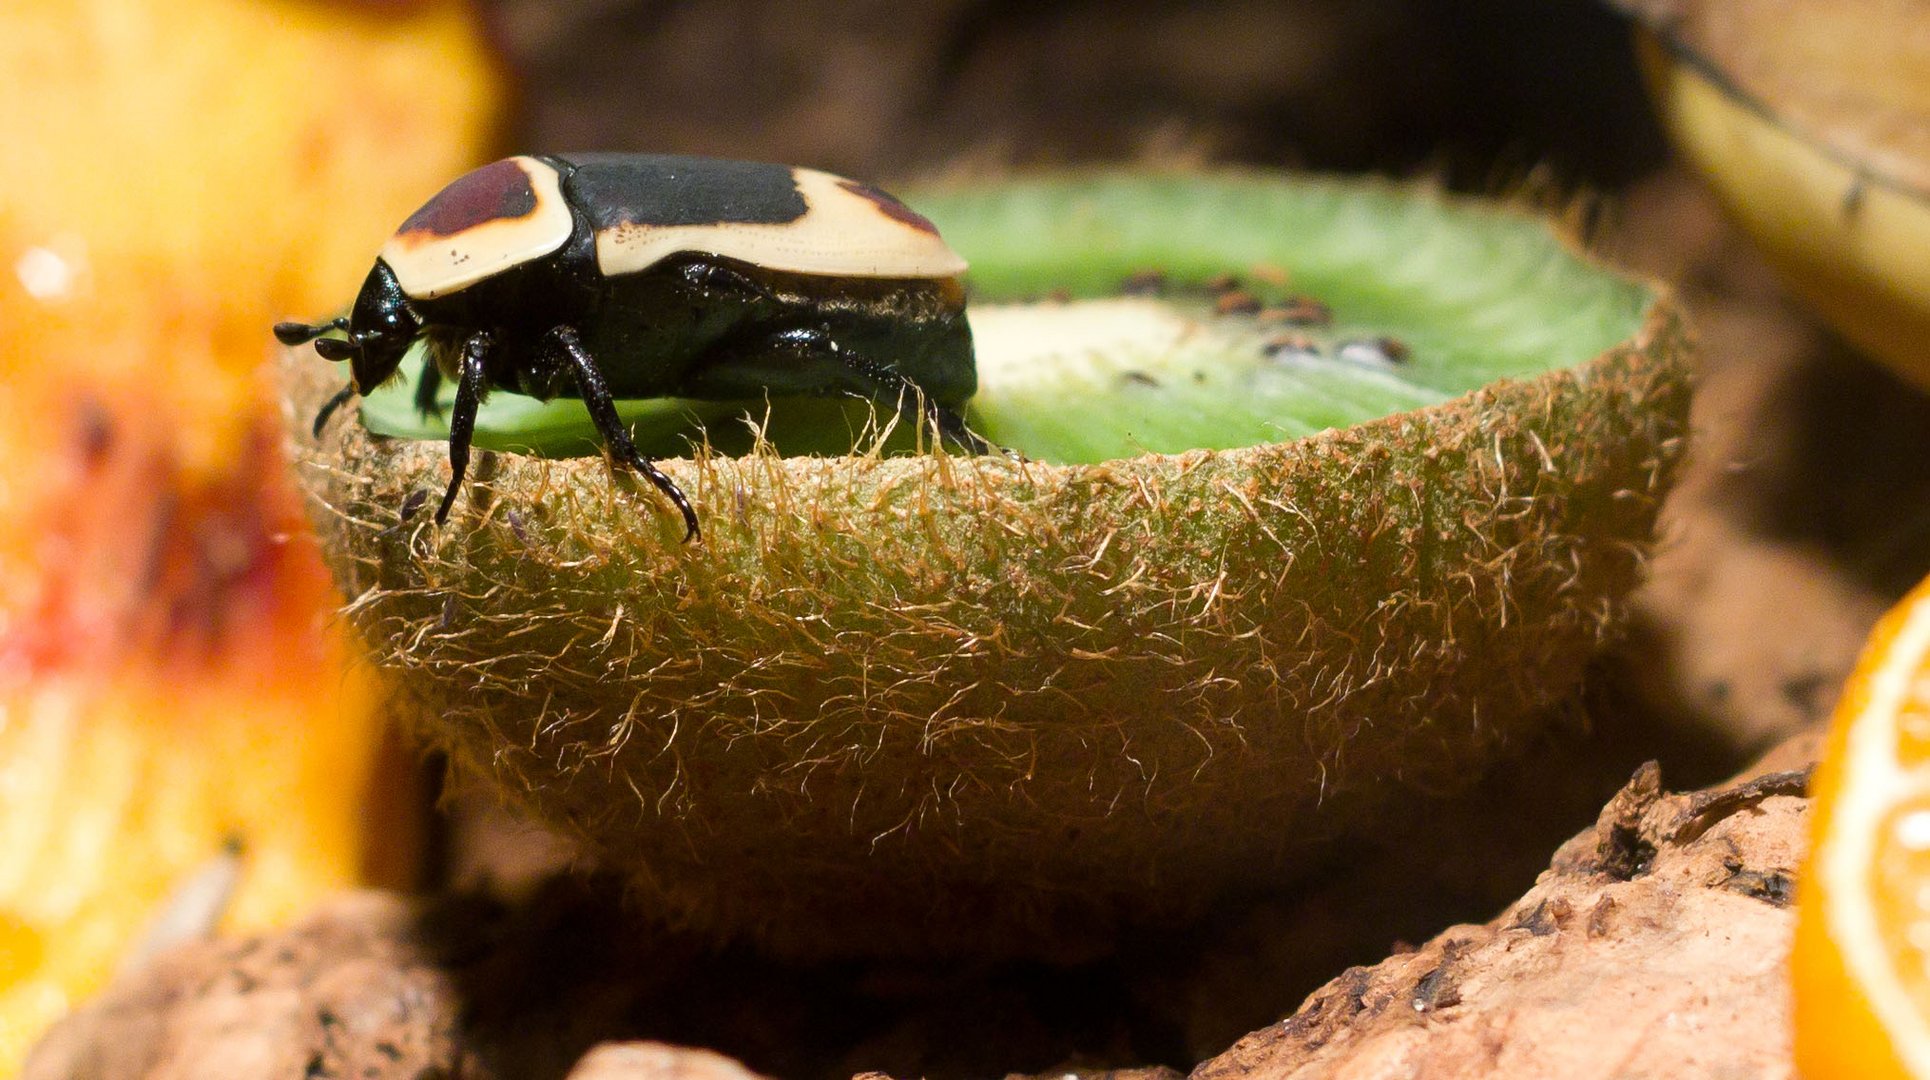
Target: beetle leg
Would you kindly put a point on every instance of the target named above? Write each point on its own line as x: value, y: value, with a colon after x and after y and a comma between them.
x: 716, y: 277
x: 603, y: 412
x: 328, y: 408
x: 951, y: 426
x: 462, y: 420
x: 427, y: 385
x: 949, y: 422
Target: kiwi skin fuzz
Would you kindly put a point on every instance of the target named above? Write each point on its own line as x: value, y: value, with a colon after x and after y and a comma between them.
x: 932, y: 704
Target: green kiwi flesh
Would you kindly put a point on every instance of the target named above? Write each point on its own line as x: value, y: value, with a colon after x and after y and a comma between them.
x: 906, y: 704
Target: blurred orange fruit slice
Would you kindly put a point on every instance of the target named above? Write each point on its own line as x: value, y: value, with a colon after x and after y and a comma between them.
x: 173, y: 686
x: 1862, y: 957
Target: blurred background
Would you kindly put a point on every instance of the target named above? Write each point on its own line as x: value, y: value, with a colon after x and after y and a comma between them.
x: 186, y: 173
x: 1480, y: 92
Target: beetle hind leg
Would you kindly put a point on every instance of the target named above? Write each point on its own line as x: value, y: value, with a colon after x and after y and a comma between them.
x: 603, y: 412
x: 949, y: 422
x: 951, y: 427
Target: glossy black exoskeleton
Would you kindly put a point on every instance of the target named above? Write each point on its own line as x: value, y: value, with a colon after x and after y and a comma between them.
x: 576, y: 278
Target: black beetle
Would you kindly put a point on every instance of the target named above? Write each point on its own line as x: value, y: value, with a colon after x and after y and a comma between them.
x: 606, y: 276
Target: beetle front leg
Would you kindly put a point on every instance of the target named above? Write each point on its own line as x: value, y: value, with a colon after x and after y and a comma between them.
x: 462, y: 420
x: 603, y: 412
x: 328, y: 408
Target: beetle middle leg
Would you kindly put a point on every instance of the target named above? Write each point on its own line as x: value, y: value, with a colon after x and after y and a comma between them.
x: 427, y: 385
x: 462, y: 419
x: 565, y: 341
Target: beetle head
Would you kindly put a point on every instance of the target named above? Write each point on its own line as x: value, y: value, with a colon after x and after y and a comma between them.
x: 381, y: 327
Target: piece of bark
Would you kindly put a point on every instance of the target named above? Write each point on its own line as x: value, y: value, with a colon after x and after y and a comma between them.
x: 353, y: 992
x: 1654, y: 946
x: 376, y: 986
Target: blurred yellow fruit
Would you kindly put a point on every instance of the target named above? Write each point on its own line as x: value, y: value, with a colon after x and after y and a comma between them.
x: 1861, y: 963
x: 178, y: 168
x: 1811, y: 120
x: 179, y: 175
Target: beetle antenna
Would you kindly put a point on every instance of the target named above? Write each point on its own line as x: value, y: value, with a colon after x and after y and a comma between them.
x: 328, y: 408
x: 337, y: 349
x: 295, y: 333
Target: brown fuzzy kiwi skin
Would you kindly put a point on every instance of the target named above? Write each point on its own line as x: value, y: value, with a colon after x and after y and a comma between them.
x: 929, y: 705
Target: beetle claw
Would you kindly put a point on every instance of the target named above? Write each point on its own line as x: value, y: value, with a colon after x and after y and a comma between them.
x: 676, y: 495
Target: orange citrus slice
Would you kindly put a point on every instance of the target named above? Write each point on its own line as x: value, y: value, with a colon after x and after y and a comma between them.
x: 1862, y: 956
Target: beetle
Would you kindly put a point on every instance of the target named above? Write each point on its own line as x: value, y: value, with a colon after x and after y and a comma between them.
x: 605, y: 276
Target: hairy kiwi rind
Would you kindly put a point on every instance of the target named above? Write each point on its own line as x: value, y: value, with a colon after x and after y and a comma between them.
x: 934, y: 704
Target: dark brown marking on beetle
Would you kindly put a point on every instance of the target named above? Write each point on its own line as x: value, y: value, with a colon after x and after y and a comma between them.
x: 498, y: 191
x: 889, y: 204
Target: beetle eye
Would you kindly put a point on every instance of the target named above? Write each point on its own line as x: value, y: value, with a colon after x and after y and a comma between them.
x: 336, y: 349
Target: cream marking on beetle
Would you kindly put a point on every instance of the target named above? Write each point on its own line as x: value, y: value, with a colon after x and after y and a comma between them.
x: 843, y: 234
x: 429, y: 263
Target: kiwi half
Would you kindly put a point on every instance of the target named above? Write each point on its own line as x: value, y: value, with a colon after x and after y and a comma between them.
x: 1250, y: 580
